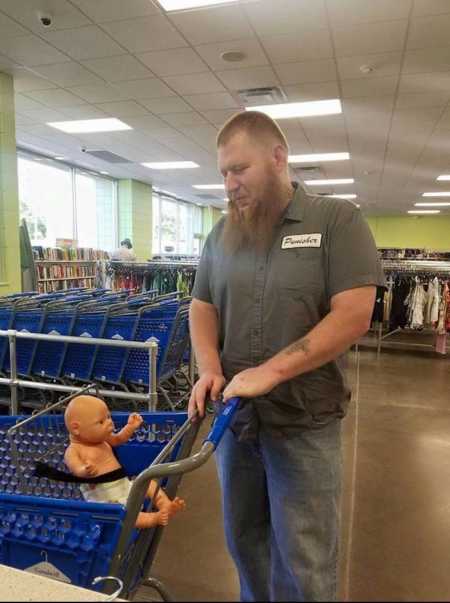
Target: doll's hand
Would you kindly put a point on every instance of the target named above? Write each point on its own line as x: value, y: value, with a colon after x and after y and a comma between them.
x: 90, y: 470
x: 135, y: 420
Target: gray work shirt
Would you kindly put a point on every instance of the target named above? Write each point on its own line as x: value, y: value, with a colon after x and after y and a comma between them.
x: 267, y: 301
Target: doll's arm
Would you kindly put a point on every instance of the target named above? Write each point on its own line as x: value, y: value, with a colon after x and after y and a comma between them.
x: 134, y: 422
x: 76, y: 465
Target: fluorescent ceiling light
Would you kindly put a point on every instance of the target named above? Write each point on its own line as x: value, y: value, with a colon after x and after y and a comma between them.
x: 424, y: 211
x: 443, y: 177
x: 105, y: 173
x: 313, y: 157
x: 171, y: 165
x: 433, y: 204
x: 438, y: 194
x: 169, y: 5
x: 212, y: 187
x: 330, y: 181
x: 342, y: 196
x: 307, y: 109
x: 84, y: 126
x: 59, y: 158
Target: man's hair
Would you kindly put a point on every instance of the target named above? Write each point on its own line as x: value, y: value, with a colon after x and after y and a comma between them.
x: 126, y: 243
x: 255, y: 124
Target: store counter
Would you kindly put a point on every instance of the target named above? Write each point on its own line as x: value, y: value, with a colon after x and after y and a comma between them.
x: 17, y: 585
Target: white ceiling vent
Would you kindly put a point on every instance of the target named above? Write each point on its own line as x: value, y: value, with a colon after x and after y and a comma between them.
x: 262, y: 96
x: 107, y: 156
x: 308, y: 172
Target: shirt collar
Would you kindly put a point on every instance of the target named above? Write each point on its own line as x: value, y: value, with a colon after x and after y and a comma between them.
x: 295, y: 211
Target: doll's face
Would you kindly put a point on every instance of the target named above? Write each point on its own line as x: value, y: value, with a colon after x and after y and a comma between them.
x: 94, y: 424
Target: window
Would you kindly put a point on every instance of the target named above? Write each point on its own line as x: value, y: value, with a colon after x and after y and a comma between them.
x: 60, y: 202
x: 177, y: 226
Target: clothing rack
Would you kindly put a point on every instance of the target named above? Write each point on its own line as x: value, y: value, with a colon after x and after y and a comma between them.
x: 164, y: 275
x: 424, y: 269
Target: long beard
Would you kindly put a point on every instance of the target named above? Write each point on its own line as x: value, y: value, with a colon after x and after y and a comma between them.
x: 254, y: 228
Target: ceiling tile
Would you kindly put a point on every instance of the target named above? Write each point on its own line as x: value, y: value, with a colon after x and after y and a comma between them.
x: 152, y: 126
x: 147, y: 33
x: 195, y: 83
x: 430, y: 7
x: 83, y: 112
x: 31, y: 51
x: 307, y: 72
x: 306, y: 92
x: 219, y: 100
x: 44, y: 115
x: 212, y: 25
x: 56, y: 98
x: 122, y: 109
x: 421, y: 61
x: 10, y: 29
x: 68, y: 74
x: 370, y: 38
x: 103, y: 11
x: 286, y: 16
x: 429, y: 32
x: 22, y: 121
x: 64, y: 14
x: 240, y: 79
x: 425, y: 83
x: 184, y: 119
x: 254, y: 54
x: 380, y: 86
x: 84, y: 42
x: 118, y: 68
x: 23, y: 103
x: 25, y: 81
x: 299, y: 46
x: 147, y: 88
x: 354, y: 12
x: 169, y: 104
x: 382, y: 65
x: 7, y: 65
x: 219, y: 117
x: 433, y: 99
x: 173, y: 62
x: 100, y: 94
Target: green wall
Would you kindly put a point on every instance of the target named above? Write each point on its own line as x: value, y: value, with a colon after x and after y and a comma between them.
x: 211, y: 215
x: 135, y: 216
x: 428, y: 232
x: 10, y: 276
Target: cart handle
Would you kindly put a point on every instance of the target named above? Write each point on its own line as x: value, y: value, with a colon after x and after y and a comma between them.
x: 223, y: 421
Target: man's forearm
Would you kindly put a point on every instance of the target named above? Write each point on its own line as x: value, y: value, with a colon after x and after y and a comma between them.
x: 204, y: 327
x: 325, y: 342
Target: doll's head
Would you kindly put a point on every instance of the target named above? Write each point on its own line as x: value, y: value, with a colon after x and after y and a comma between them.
x: 88, y: 420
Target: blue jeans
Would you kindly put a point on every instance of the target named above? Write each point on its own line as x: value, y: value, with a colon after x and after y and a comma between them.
x: 280, y: 498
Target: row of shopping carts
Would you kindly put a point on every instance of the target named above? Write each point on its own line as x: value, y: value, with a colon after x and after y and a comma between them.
x: 97, y: 313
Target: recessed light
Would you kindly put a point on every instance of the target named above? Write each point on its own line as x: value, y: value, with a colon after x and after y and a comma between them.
x: 85, y: 126
x: 424, y: 211
x: 437, y: 194
x: 433, y: 204
x: 171, y: 165
x: 313, y: 157
x: 169, y: 5
x: 306, y: 109
x: 212, y: 187
x: 350, y: 196
x: 330, y: 181
x: 443, y: 177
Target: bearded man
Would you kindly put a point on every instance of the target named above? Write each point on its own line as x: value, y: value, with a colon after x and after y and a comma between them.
x: 286, y: 284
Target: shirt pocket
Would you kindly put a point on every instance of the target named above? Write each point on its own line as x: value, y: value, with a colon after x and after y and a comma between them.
x: 301, y: 273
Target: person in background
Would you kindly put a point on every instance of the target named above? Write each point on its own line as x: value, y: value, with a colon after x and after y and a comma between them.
x: 286, y: 284
x: 125, y: 252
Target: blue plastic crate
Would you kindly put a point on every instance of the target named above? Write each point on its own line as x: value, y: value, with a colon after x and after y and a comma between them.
x: 79, y: 538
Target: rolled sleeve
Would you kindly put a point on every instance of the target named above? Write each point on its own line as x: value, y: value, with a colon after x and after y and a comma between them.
x: 201, y: 289
x: 353, y: 259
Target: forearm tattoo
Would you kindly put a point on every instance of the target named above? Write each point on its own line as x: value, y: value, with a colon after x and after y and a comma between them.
x: 302, y: 345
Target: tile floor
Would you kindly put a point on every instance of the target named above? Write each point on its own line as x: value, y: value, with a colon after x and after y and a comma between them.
x: 395, y: 543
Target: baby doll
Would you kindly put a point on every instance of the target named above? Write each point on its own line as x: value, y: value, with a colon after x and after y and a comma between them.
x: 90, y: 454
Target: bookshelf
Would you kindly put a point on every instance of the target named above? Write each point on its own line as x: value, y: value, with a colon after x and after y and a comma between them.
x: 62, y: 268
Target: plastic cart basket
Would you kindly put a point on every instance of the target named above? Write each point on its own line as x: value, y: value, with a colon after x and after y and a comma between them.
x: 48, y: 522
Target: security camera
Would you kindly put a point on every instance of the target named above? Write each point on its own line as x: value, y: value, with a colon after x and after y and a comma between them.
x: 83, y: 149
x: 46, y: 20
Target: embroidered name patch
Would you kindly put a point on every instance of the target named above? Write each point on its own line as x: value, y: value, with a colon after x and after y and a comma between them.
x: 303, y: 240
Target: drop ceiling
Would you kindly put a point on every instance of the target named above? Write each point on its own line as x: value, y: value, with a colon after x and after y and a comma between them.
x: 162, y: 73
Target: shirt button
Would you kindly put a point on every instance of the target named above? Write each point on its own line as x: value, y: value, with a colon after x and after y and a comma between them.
x: 261, y: 268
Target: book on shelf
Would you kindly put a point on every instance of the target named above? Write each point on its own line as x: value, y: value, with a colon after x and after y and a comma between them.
x: 68, y: 253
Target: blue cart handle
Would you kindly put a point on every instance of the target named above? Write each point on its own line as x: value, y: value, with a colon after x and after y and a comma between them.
x: 223, y: 421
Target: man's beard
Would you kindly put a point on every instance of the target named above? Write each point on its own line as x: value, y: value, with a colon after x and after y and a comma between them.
x: 254, y: 227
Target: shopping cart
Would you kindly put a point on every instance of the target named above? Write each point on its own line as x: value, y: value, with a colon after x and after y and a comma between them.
x: 86, y: 543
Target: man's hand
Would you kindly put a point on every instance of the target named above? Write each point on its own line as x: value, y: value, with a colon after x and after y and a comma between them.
x: 251, y: 383
x: 209, y: 384
x: 135, y: 421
